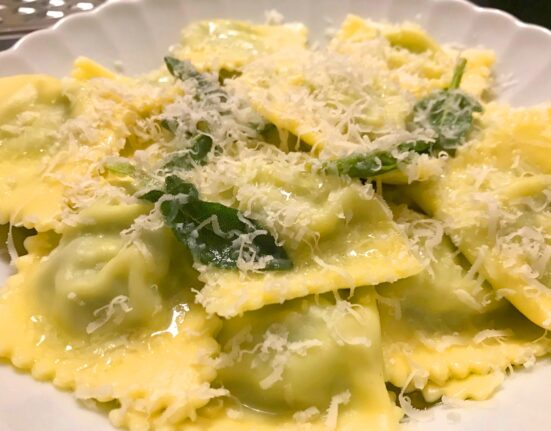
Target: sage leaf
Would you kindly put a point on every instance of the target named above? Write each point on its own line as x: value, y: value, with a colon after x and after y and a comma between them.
x: 184, y: 70
x: 215, y: 233
x: 364, y: 165
x: 448, y: 113
x: 200, y: 149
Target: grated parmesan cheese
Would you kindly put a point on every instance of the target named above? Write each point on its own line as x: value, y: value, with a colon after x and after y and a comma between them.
x: 109, y: 312
x: 404, y: 401
x: 305, y: 416
x: 332, y: 413
x: 487, y: 334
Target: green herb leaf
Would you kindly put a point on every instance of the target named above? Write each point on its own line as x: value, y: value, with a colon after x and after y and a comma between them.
x: 184, y: 70
x: 151, y: 195
x: 175, y: 186
x: 214, y: 232
x: 376, y: 163
x: 206, y: 86
x: 200, y: 148
x: 170, y: 124
x: 225, y: 74
x: 363, y: 165
x: 458, y: 74
x: 418, y: 146
x: 449, y: 113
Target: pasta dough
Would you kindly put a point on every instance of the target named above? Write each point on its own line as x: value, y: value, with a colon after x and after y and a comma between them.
x: 230, y: 44
x: 443, y: 325
x: 409, y: 55
x: 158, y: 373
x: 195, y: 260
x: 55, y: 137
x: 330, y: 101
x: 95, y: 278
x: 275, y: 360
x: 32, y: 111
x: 494, y: 200
x: 333, y: 229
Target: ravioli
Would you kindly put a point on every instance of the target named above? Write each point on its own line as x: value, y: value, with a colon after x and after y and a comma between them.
x: 357, y: 96
x: 332, y: 228
x: 130, y: 335
x: 56, y: 135
x: 32, y: 110
x: 477, y: 387
x: 411, y: 57
x: 230, y: 44
x: 332, y: 102
x: 494, y: 201
x: 444, y: 326
x: 274, y: 361
x: 194, y: 258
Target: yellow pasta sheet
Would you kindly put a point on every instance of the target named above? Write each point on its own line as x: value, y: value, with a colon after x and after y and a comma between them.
x: 476, y: 387
x: 445, y: 325
x: 494, y: 202
x: 338, y: 232
x: 357, y: 95
x: 112, y: 321
x: 231, y: 44
x: 411, y: 57
x: 55, y: 135
x: 32, y: 110
x: 332, y: 102
x: 274, y: 362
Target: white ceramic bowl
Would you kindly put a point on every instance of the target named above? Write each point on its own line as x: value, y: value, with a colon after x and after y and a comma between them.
x: 137, y: 33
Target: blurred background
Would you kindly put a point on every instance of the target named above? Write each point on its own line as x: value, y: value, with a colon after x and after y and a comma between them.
x: 531, y: 11
x: 19, y: 17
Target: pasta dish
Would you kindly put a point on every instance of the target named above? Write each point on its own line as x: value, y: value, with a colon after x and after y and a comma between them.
x: 267, y: 234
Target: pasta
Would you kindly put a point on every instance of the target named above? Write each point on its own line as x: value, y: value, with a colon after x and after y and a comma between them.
x: 505, y: 221
x: 449, y: 324
x: 264, y: 235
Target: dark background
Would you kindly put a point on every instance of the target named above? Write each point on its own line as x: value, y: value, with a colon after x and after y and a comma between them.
x: 530, y: 11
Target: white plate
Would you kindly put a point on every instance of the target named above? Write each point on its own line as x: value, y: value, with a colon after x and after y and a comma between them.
x: 137, y: 33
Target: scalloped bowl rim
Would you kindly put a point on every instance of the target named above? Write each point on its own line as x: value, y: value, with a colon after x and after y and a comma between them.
x: 20, y: 44
x: 532, y: 89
